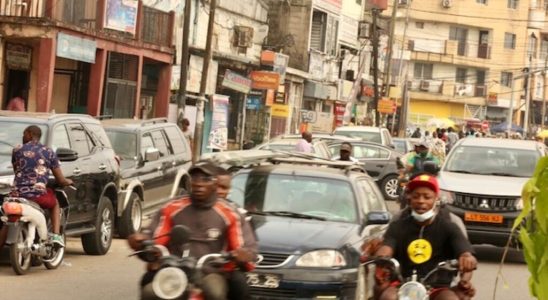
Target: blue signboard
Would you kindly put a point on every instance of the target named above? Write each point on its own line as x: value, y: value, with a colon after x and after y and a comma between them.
x: 76, y: 48
x: 253, y: 102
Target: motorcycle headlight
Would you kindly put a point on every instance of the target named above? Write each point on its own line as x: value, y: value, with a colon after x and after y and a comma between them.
x: 321, y: 259
x: 169, y: 283
x: 412, y: 290
x: 447, y: 197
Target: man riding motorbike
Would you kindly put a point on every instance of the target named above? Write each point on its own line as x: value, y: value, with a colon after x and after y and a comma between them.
x: 420, y: 239
x: 415, y: 160
x: 214, y: 225
x: 32, y: 163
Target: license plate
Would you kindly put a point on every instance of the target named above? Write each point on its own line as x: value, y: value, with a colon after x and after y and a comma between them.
x: 270, y: 281
x: 485, y: 218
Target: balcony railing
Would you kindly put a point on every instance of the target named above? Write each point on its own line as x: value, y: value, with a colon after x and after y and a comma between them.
x: 153, y: 27
x: 22, y: 8
x: 81, y: 13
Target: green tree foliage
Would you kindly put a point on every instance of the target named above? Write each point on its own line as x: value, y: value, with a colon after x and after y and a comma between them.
x: 533, y: 229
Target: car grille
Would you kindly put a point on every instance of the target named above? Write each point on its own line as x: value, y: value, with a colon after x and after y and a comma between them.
x: 264, y: 293
x: 483, y: 202
x: 271, y: 260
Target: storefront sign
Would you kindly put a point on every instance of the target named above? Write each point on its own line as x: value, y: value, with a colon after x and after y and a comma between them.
x: 339, y: 114
x: 253, y: 102
x: 386, y: 106
x: 492, y: 99
x: 218, y: 137
x: 121, y: 15
x: 265, y: 80
x: 18, y: 57
x: 270, y: 95
x: 280, y: 110
x: 308, y: 116
x: 195, y: 75
x: 236, y: 82
x: 76, y: 48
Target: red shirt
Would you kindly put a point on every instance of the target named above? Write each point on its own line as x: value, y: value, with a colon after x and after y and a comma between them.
x: 16, y: 104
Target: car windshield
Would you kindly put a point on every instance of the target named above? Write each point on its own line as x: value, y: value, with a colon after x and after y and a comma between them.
x: 328, y: 199
x: 123, y: 143
x: 12, y: 134
x: 364, y: 135
x: 492, y: 161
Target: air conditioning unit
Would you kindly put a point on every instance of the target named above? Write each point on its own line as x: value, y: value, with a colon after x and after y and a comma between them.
x: 243, y: 37
x: 425, y: 85
x: 446, y: 3
x: 403, y: 2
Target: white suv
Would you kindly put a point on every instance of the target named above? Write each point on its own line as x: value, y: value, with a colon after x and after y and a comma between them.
x: 481, y: 180
x: 367, y: 133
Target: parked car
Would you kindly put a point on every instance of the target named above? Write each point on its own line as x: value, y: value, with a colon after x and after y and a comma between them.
x: 310, y: 222
x: 88, y: 159
x: 282, y: 143
x: 403, y: 145
x: 367, y: 133
x: 482, y: 179
x: 154, y: 159
x: 380, y: 163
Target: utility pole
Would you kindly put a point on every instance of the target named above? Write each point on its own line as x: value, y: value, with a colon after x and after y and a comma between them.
x: 198, y: 134
x: 181, y: 95
x: 402, y: 84
x: 375, y: 41
x: 388, y: 62
x: 527, y: 106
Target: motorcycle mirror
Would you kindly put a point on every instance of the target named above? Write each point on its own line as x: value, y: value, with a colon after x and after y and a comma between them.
x: 179, y: 235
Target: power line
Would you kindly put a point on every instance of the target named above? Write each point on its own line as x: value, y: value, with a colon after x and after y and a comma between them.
x: 474, y: 17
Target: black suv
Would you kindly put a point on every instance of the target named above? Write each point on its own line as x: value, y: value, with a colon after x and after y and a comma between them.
x: 154, y: 159
x: 87, y: 158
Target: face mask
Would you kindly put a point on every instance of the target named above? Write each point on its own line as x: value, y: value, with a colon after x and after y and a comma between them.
x: 423, y: 217
x: 423, y: 154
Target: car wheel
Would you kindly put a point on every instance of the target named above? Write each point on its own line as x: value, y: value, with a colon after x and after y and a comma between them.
x: 389, y: 187
x: 99, y: 241
x: 132, y: 217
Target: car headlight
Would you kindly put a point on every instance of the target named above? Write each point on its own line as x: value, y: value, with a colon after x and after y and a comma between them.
x: 321, y: 259
x: 447, y: 197
x: 519, y: 204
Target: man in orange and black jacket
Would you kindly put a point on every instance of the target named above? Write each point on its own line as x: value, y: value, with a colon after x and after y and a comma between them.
x: 214, y: 225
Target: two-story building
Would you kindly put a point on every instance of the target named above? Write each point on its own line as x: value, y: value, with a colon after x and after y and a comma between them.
x: 101, y: 57
x: 464, y: 56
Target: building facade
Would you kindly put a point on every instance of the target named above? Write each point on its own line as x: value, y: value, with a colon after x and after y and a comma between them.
x: 464, y: 58
x: 101, y: 57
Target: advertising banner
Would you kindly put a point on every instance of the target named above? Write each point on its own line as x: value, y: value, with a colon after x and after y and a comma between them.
x: 121, y: 15
x: 265, y: 80
x: 218, y: 137
x: 339, y: 114
x: 76, y: 48
x: 236, y: 82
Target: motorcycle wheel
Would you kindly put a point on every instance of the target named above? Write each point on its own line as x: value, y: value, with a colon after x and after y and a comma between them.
x: 58, y: 254
x: 20, y: 257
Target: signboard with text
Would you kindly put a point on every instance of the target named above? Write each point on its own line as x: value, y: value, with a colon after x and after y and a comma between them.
x: 265, y: 80
x: 18, y: 57
x: 280, y: 110
x: 218, y: 137
x: 121, y: 15
x: 236, y: 82
x: 386, y: 106
x: 76, y: 48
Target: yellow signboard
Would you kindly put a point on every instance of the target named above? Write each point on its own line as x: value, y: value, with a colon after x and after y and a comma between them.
x: 280, y: 110
x: 386, y: 106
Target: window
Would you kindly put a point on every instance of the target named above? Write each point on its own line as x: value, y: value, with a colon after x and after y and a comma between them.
x: 160, y: 143
x: 506, y: 79
x: 80, y: 140
x: 359, y: 2
x: 423, y: 71
x: 99, y: 135
x: 480, y: 77
x: 419, y: 25
x: 481, y: 2
x: 509, y: 40
x: 369, y: 152
x: 60, y: 138
x: 309, y: 104
x: 461, y: 75
x: 544, y: 46
x: 317, y: 34
x: 532, y: 46
x: 327, y: 107
x: 513, y: 4
x: 176, y: 140
x: 372, y: 201
x: 146, y: 142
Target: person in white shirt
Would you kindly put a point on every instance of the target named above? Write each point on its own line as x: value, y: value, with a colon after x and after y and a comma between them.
x: 304, y: 144
x: 345, y: 153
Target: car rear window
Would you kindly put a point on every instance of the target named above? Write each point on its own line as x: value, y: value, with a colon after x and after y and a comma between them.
x: 315, y: 196
x: 492, y: 161
x: 364, y: 135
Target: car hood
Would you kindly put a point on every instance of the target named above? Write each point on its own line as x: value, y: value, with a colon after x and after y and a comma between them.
x: 481, y: 184
x: 292, y: 235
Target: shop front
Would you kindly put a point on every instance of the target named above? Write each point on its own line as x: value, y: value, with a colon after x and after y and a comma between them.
x: 318, y: 107
x: 423, y: 110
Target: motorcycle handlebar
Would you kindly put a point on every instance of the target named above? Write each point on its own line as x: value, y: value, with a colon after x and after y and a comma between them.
x: 224, y: 256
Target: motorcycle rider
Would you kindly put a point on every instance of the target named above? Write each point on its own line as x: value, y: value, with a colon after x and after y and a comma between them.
x: 416, y: 160
x: 422, y: 238
x: 32, y: 163
x: 215, y: 227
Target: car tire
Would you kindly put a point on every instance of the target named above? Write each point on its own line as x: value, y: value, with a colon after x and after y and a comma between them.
x: 132, y: 217
x: 99, y: 241
x: 389, y: 187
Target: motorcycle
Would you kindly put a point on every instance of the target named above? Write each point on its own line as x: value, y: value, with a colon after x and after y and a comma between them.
x: 413, y: 288
x: 177, y: 277
x: 28, y: 227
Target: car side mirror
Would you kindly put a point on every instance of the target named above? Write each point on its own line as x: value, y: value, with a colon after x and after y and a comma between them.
x: 377, y: 218
x: 65, y: 154
x: 152, y: 154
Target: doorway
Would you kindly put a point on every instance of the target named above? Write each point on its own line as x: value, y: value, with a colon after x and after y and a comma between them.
x: 17, y: 83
